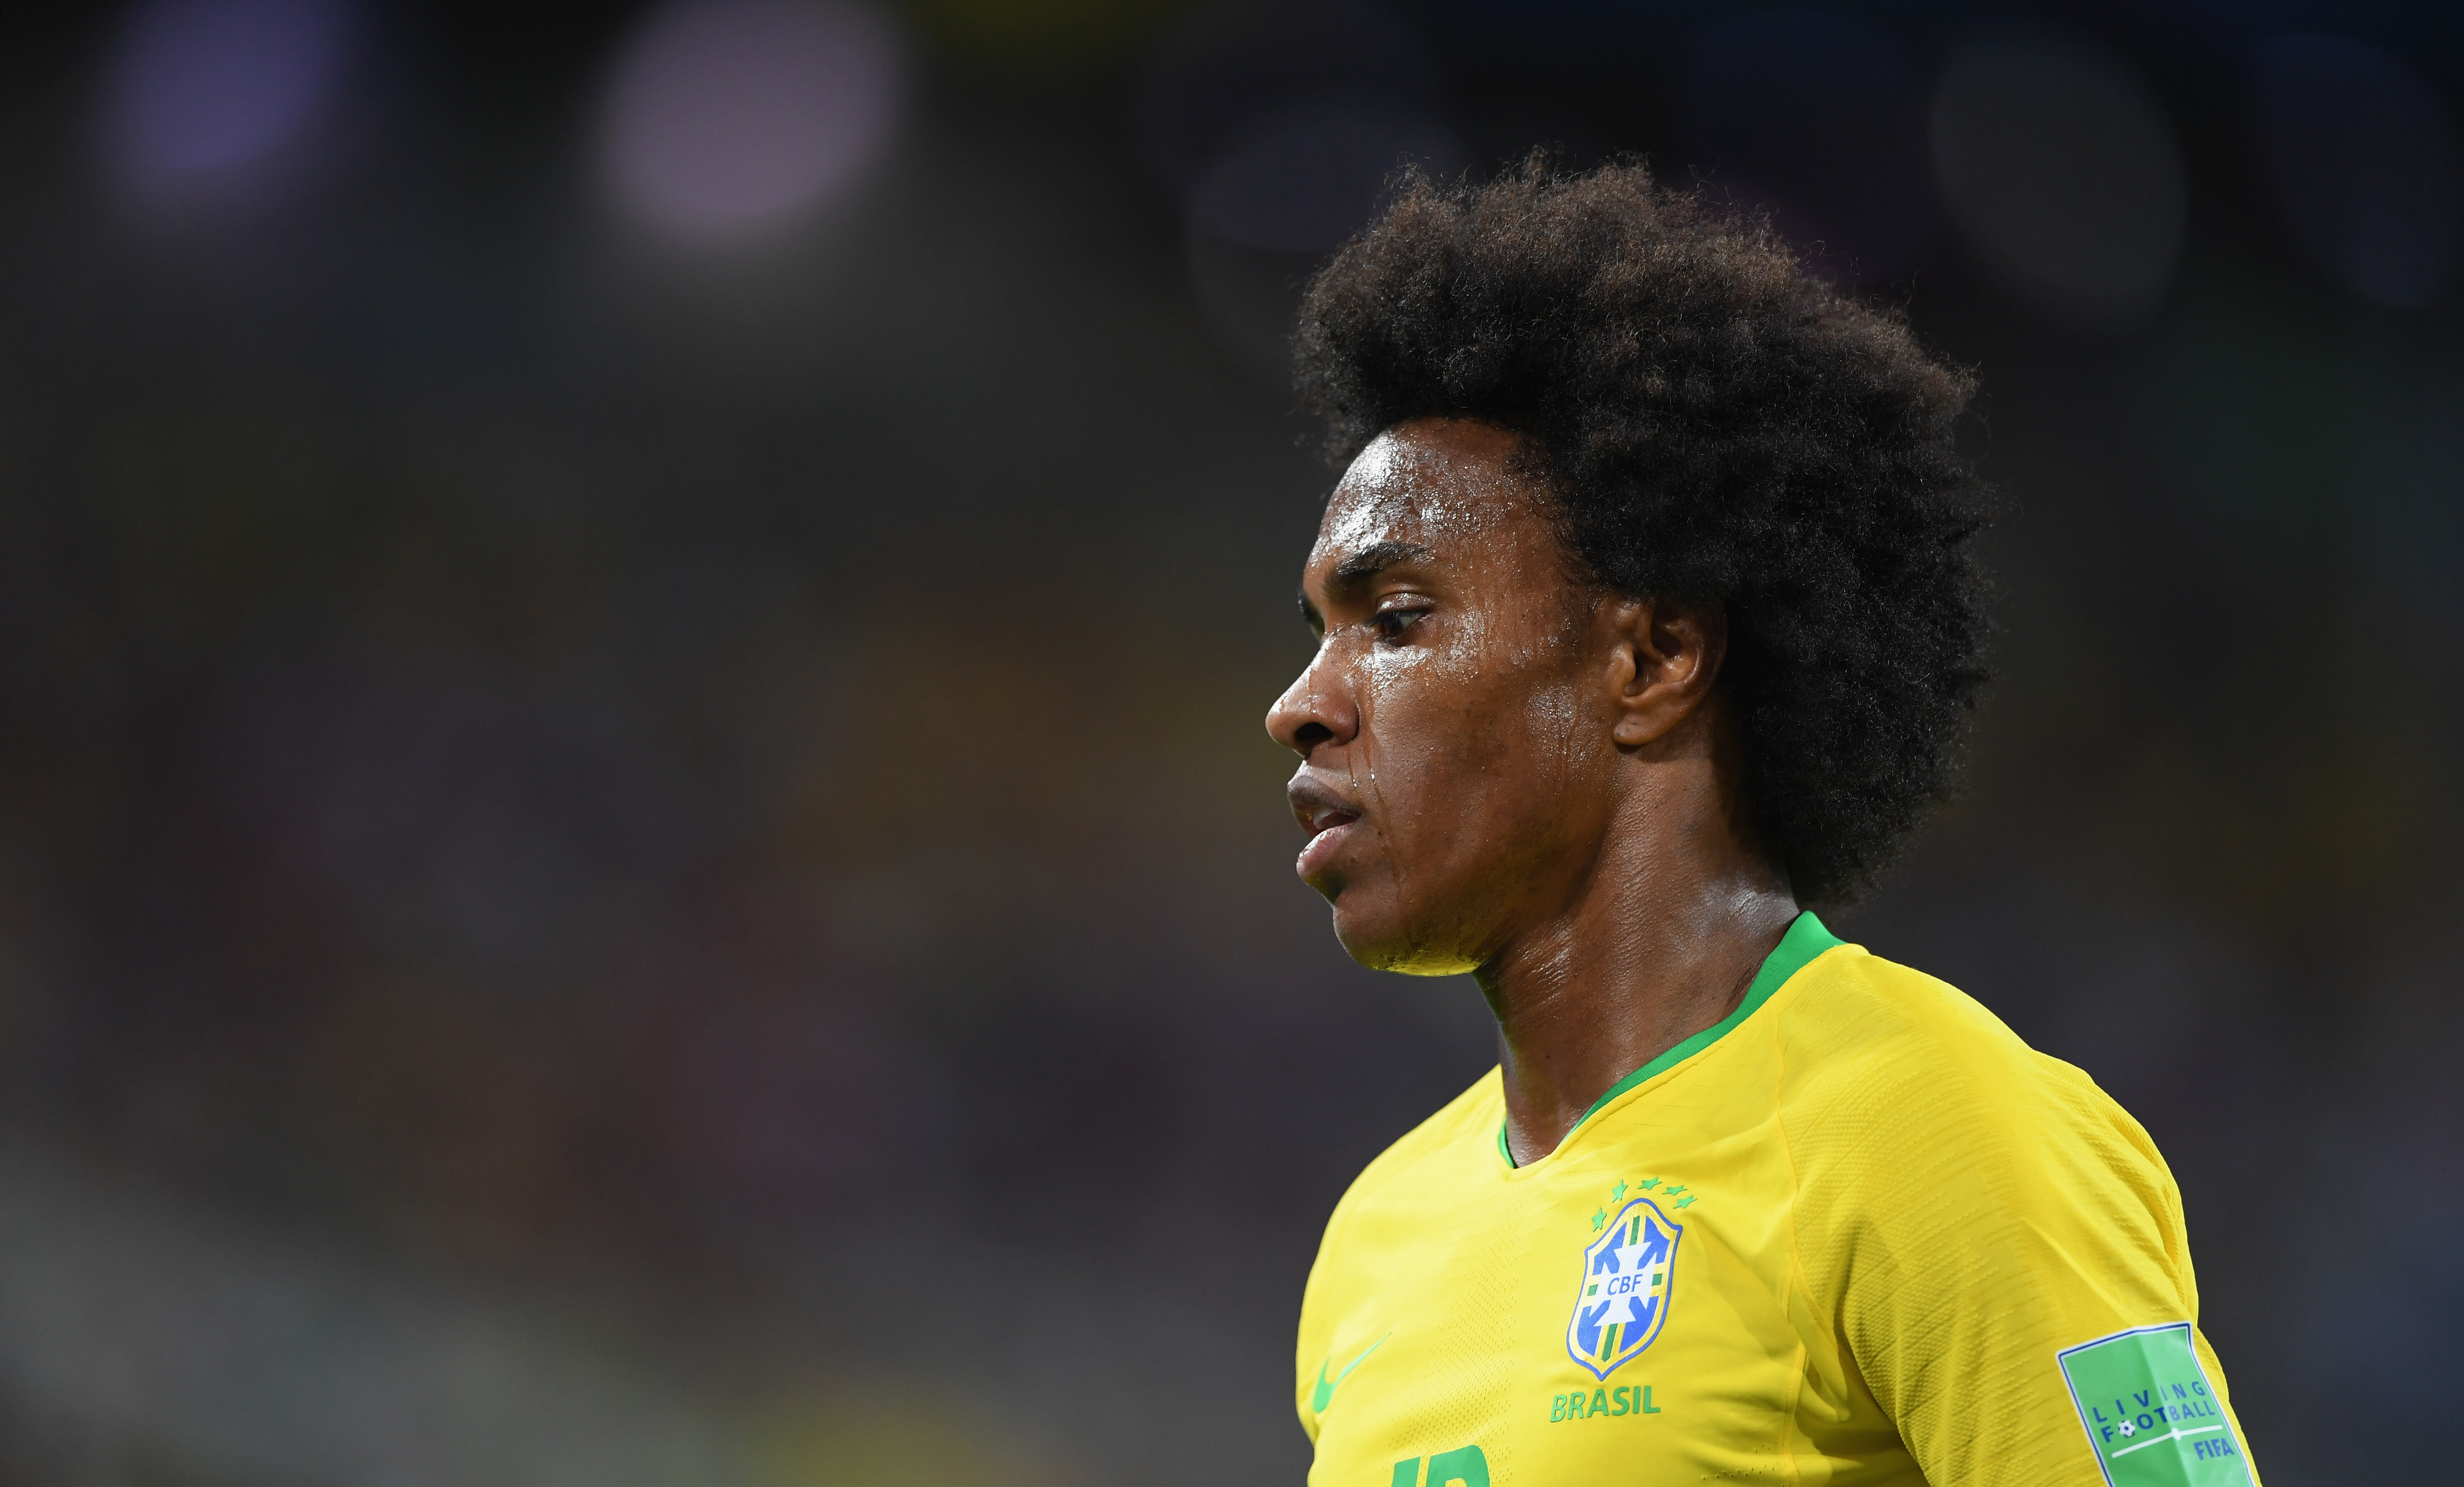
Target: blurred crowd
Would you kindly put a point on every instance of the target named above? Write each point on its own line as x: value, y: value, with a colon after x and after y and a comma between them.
x: 635, y: 844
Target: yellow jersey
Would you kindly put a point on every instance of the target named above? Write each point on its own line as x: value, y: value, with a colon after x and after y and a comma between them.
x: 1857, y: 1233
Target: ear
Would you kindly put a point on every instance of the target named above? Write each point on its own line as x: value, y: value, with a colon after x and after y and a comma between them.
x: 1663, y: 659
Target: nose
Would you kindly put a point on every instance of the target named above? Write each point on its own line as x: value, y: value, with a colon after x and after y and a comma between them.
x: 1316, y: 709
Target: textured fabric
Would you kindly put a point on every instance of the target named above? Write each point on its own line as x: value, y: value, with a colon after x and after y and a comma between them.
x: 1841, y: 1244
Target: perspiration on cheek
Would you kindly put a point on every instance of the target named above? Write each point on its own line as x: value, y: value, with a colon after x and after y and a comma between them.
x: 1538, y: 631
x: 1542, y: 670
x: 1554, y: 717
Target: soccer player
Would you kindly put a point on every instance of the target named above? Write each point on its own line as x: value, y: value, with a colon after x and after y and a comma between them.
x: 1646, y: 617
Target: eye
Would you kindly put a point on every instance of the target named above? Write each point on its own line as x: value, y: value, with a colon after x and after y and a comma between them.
x: 1390, y: 625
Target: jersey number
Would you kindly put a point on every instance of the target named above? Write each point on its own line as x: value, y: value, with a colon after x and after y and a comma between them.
x: 1463, y: 1465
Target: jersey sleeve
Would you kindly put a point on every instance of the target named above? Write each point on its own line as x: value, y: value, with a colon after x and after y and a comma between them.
x: 1999, y: 1250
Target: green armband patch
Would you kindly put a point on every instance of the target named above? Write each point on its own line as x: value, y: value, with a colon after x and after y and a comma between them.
x: 2151, y: 1413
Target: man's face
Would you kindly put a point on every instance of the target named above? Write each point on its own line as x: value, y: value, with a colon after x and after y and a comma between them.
x: 1453, y: 728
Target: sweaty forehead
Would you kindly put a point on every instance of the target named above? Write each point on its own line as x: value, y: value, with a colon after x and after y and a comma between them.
x: 1431, y: 482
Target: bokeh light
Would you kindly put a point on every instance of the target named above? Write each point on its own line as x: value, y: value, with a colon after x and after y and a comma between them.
x: 1277, y: 128
x: 1284, y: 193
x: 727, y: 119
x: 1822, y: 121
x: 2361, y: 158
x: 2061, y: 169
x: 205, y: 97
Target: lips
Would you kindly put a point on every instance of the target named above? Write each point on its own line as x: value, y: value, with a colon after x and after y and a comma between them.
x: 1325, y: 816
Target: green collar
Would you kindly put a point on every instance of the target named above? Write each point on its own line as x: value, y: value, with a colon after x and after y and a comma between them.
x: 1805, y: 940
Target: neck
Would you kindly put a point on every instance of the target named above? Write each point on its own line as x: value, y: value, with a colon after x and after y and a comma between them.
x: 1661, y: 939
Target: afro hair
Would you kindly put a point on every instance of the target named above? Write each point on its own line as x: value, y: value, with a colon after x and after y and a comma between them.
x: 1717, y: 425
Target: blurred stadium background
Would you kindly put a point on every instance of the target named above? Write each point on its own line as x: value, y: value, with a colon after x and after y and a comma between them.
x: 634, y: 839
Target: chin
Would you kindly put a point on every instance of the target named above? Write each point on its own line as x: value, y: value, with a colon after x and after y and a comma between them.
x: 1387, y: 941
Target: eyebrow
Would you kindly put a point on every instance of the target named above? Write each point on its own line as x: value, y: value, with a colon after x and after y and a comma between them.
x: 1374, y: 559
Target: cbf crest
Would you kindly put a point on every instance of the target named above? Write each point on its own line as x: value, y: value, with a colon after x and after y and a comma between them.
x: 1624, y: 1296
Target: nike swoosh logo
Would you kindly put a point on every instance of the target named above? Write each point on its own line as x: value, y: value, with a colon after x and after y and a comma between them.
x: 1324, y: 1394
